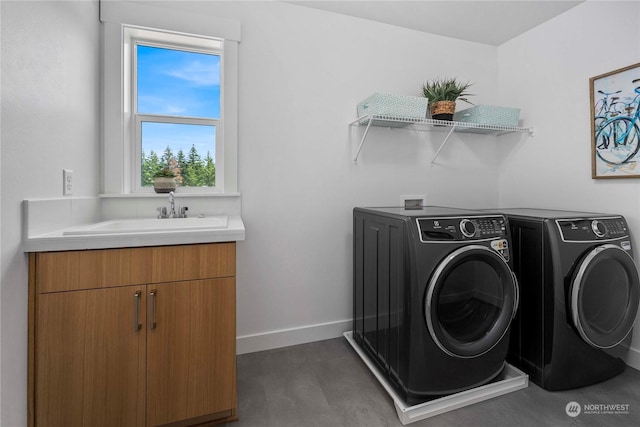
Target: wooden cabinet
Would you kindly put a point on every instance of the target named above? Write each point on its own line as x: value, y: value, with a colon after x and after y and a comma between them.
x: 132, y: 337
x: 89, y: 364
x: 189, y: 363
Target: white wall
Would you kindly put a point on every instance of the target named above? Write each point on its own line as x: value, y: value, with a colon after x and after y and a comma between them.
x: 302, y: 72
x: 546, y: 71
x: 50, y: 121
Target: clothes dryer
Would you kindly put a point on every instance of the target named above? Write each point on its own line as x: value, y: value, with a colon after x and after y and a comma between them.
x: 434, y: 296
x: 579, y: 296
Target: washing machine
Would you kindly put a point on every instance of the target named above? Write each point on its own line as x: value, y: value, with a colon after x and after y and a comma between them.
x: 434, y: 296
x: 579, y: 296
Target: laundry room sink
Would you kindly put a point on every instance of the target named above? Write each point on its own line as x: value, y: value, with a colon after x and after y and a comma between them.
x: 78, y: 226
x: 149, y: 225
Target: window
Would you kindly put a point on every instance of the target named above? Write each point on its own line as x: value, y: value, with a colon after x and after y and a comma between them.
x: 170, y: 99
x: 176, y: 92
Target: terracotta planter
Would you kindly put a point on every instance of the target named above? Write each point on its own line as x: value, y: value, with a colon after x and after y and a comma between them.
x: 442, y: 110
x: 164, y: 184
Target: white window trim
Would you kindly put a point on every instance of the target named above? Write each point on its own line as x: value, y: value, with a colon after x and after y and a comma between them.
x: 117, y: 169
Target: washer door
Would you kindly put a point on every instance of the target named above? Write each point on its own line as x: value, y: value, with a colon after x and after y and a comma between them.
x: 605, y: 296
x: 470, y: 301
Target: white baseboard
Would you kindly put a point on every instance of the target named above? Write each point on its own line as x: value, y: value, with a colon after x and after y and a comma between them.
x: 292, y: 336
x: 325, y: 331
x: 633, y: 358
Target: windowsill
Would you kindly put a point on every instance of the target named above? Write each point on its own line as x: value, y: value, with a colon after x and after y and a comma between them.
x: 165, y: 195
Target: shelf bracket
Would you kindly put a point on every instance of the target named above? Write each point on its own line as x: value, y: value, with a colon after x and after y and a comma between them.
x: 364, y: 136
x: 446, y: 138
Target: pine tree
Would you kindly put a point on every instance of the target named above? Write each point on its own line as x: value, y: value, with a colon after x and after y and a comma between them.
x: 209, y: 171
x: 195, y: 168
x: 151, y: 165
x: 182, y: 164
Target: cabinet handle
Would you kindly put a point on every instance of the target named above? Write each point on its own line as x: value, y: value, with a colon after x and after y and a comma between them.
x: 152, y: 317
x: 136, y: 310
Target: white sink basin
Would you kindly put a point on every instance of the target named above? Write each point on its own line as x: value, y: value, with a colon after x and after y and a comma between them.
x: 149, y: 225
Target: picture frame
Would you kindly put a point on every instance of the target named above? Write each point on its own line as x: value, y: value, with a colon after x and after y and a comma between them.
x: 615, y: 123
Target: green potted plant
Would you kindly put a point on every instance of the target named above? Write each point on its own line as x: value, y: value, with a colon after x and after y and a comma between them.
x: 164, y: 181
x: 442, y: 95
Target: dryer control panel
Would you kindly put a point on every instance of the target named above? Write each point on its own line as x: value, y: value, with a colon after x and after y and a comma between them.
x: 457, y: 228
x: 590, y: 229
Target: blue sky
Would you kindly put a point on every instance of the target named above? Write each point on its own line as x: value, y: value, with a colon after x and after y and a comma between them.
x: 178, y: 83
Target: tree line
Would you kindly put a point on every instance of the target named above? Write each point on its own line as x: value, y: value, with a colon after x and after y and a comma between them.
x: 189, y: 170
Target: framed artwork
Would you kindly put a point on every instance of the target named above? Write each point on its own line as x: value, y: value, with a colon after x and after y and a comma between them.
x: 615, y: 123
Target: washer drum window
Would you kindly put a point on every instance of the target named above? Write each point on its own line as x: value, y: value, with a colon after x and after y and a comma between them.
x: 470, y: 301
x: 605, y: 296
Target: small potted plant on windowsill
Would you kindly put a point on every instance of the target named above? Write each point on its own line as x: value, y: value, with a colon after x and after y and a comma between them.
x: 442, y: 96
x: 164, y: 181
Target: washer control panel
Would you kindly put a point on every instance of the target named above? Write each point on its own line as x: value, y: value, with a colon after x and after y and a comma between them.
x: 589, y: 229
x: 456, y: 228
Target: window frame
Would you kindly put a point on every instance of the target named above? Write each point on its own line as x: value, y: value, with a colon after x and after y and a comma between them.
x: 115, y: 154
x: 135, y: 36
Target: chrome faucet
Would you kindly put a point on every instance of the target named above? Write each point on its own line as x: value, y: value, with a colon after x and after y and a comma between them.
x: 181, y: 213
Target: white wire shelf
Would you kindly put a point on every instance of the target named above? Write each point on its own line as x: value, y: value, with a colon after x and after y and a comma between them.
x: 431, y: 125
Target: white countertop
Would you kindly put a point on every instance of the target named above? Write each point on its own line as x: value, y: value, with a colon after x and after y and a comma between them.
x: 57, y: 241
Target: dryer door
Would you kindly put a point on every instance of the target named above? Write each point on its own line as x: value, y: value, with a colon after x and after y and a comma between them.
x: 470, y: 301
x: 605, y: 295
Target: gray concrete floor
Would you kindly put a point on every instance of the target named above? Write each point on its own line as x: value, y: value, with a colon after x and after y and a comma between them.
x: 325, y: 384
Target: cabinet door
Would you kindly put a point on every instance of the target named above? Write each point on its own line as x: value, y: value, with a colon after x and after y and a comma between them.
x: 191, y: 351
x: 90, y: 359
